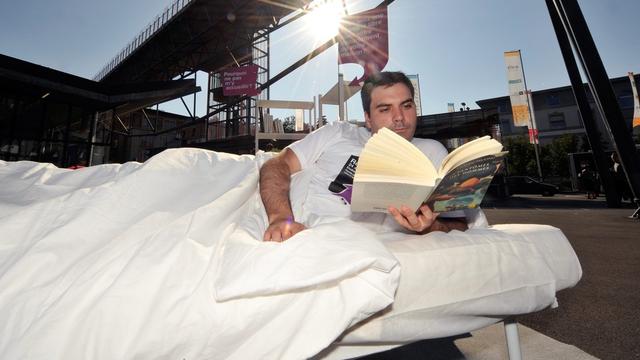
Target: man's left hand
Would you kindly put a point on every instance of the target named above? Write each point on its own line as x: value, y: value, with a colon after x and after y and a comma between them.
x: 415, y: 221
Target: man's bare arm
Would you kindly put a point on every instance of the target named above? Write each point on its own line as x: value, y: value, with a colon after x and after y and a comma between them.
x: 275, y: 181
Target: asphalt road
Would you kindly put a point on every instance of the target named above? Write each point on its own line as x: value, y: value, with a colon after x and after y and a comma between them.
x: 600, y: 315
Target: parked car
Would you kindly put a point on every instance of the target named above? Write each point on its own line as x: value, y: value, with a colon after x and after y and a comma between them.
x: 529, y: 185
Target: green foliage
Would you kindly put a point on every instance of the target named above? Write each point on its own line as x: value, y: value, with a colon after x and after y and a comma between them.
x: 554, y: 158
x: 555, y: 155
x: 521, y: 159
x: 289, y: 124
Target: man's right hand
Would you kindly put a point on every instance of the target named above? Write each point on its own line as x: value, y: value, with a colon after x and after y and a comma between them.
x: 281, y: 230
x: 275, y: 179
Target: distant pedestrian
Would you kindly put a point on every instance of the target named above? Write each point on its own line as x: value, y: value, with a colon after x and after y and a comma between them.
x: 588, y: 181
x: 619, y: 178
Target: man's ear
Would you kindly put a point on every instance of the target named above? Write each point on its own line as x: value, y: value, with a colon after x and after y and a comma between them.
x: 367, y: 121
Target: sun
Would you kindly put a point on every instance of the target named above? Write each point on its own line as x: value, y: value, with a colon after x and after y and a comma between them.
x: 325, y: 18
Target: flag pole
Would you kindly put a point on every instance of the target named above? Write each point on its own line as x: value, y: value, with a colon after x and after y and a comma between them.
x: 532, y: 126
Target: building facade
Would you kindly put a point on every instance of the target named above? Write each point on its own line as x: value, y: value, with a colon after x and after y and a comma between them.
x: 556, y: 113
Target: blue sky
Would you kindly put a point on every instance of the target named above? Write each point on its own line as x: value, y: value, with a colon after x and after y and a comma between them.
x: 455, y: 46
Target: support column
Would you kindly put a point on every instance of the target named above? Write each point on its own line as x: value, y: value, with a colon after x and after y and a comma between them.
x: 577, y: 32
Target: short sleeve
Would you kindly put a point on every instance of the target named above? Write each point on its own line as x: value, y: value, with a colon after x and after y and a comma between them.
x: 309, y: 148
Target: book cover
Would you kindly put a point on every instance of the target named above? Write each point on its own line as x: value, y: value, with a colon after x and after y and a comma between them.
x: 465, y: 186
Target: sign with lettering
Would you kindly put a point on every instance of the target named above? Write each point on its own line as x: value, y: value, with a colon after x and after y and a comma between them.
x: 240, y: 80
x: 364, y: 40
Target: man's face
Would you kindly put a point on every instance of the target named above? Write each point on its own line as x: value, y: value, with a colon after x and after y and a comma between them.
x: 392, y: 107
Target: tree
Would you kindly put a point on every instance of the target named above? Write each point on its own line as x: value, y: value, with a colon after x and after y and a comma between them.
x: 289, y: 124
x: 556, y: 155
x: 521, y: 159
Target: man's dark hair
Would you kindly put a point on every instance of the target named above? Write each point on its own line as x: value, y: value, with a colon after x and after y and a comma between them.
x: 386, y: 79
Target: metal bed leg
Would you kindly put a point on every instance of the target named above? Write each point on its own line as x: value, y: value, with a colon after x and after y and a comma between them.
x: 513, y: 340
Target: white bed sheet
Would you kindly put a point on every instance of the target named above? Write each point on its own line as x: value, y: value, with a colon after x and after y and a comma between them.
x: 460, y: 282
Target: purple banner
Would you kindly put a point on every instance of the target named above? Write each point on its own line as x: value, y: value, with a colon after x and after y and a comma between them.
x: 240, y: 81
x: 364, y: 40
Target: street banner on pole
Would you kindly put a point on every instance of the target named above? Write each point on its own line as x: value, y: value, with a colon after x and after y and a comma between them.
x: 364, y: 40
x: 240, y: 81
x: 636, y: 101
x: 517, y: 95
x: 415, y: 81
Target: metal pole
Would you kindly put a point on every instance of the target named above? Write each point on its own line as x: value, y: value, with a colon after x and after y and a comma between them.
x: 92, y: 137
x: 340, y: 98
x: 580, y: 95
x: 67, y: 130
x: 532, y: 128
x: 195, y: 80
x: 577, y: 31
x: 529, y: 106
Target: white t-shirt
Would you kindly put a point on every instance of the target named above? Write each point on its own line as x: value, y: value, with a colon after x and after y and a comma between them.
x: 324, y: 154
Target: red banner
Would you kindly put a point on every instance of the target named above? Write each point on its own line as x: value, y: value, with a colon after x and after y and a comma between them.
x: 364, y: 40
x: 533, y: 136
x: 240, y: 81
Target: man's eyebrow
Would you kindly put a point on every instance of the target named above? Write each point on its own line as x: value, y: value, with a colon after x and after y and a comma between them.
x: 408, y: 100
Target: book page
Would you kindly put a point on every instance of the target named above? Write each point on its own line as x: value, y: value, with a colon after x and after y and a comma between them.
x: 387, y: 153
x: 474, y: 149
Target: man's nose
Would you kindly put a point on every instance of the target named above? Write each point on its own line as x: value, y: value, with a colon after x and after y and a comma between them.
x: 398, y: 115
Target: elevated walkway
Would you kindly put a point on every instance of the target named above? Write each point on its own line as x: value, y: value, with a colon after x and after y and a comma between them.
x: 191, y: 35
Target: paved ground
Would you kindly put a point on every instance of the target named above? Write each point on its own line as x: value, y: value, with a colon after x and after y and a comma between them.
x: 600, y: 315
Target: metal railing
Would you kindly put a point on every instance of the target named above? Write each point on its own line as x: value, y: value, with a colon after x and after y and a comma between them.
x: 163, y: 18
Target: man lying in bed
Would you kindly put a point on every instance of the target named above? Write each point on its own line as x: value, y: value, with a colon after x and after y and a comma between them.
x: 331, y: 152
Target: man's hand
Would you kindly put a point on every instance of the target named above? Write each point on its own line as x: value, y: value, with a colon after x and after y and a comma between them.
x: 418, y: 221
x: 281, y: 230
x: 275, y: 179
x: 425, y: 221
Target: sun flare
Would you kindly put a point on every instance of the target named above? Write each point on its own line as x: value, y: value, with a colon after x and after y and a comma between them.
x: 325, y: 18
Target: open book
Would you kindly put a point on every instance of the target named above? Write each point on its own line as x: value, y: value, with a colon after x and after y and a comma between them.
x: 393, y: 172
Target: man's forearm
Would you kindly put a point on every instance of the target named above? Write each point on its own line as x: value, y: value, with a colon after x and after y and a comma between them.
x: 275, y: 180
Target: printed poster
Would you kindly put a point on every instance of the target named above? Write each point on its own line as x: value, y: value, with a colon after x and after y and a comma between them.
x: 240, y: 81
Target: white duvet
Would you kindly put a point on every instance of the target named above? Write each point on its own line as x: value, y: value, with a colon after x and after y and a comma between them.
x: 161, y: 260
x: 164, y: 260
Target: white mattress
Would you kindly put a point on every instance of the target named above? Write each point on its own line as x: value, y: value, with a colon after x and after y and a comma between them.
x: 460, y: 282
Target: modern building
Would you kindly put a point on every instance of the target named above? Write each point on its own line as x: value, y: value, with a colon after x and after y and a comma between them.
x: 453, y: 129
x: 52, y: 116
x: 556, y: 112
x: 145, y: 134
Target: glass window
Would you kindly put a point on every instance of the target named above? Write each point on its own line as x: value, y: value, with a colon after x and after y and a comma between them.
x: 553, y: 100
x: 505, y: 124
x: 556, y: 121
x: 626, y: 100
